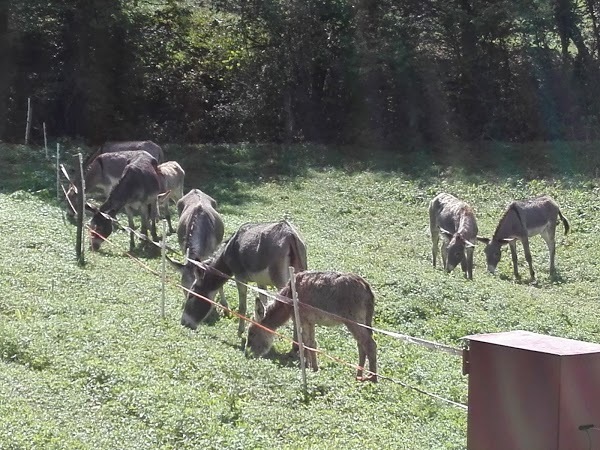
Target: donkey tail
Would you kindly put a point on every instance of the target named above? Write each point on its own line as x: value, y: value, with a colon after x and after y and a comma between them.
x: 564, y: 221
x: 371, y: 307
x: 298, y: 254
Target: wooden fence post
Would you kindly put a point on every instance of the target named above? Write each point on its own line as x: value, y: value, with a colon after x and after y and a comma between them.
x: 163, y: 252
x: 28, y: 125
x: 298, y: 326
x: 45, y: 140
x: 79, y: 246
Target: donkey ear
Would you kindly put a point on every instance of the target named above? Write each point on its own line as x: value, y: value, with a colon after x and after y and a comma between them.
x: 175, y: 264
x: 483, y: 239
x: 446, y: 233
x: 91, y: 208
x: 507, y: 240
x: 164, y: 196
x: 469, y: 244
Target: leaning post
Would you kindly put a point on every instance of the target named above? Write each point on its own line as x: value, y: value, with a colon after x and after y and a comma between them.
x: 298, y: 326
x: 79, y: 246
x: 45, y: 140
x: 28, y: 124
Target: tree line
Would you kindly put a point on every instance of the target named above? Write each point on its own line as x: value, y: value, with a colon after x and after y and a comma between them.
x: 379, y: 72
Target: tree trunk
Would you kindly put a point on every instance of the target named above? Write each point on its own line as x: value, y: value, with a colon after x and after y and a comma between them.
x: 5, y: 65
x: 472, y: 109
x: 592, y: 13
x: 568, y: 30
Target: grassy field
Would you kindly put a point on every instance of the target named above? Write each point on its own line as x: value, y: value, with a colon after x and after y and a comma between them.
x: 87, y: 362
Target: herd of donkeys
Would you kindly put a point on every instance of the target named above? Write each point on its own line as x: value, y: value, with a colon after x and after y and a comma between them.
x: 133, y: 177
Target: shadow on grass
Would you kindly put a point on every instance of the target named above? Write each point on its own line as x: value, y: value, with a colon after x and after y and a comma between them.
x: 226, y: 170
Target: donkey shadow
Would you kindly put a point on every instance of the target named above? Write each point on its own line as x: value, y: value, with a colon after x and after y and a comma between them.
x: 547, y: 280
x: 289, y: 359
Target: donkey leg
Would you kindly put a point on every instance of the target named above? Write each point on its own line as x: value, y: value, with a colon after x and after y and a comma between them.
x: 131, y: 241
x: 468, y: 268
x: 152, y: 215
x: 168, y: 218
x: 528, y: 258
x: 242, y: 293
x: 435, y: 238
x: 366, y: 350
x: 131, y: 228
x: 444, y: 252
x: 513, y: 253
x: 551, y: 243
x: 295, y: 347
x: 309, y: 340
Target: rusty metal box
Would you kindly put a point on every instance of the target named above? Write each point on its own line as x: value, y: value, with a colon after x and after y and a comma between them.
x: 532, y: 392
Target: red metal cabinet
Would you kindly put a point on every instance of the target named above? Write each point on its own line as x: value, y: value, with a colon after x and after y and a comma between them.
x: 532, y: 392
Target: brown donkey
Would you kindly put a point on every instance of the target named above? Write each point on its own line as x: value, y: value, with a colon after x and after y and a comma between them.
x: 325, y: 298
x: 455, y: 220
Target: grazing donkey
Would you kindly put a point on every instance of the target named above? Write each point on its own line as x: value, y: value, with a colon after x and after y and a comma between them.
x: 325, y: 298
x: 520, y: 221
x: 137, y: 189
x: 259, y: 252
x: 456, y: 221
x: 122, y: 146
x: 171, y: 178
x: 103, y: 173
x: 200, y: 231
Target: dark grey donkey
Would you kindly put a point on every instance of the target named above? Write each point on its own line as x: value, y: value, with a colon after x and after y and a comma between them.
x: 325, y: 298
x: 103, y: 173
x: 455, y: 220
x: 258, y: 252
x: 136, y: 190
x: 200, y: 231
x: 520, y: 221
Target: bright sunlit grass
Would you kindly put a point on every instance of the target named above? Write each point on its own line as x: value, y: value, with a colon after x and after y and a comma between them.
x: 87, y: 362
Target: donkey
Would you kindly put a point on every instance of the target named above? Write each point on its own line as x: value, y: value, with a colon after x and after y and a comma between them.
x: 455, y: 220
x: 137, y: 189
x: 115, y: 147
x: 171, y: 178
x: 258, y: 252
x: 325, y: 298
x: 199, y: 231
x: 103, y: 173
x: 520, y: 221
x: 122, y: 146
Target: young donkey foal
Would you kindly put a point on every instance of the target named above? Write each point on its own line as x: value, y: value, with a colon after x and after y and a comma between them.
x: 520, y: 221
x: 259, y: 252
x: 325, y: 298
x: 455, y: 220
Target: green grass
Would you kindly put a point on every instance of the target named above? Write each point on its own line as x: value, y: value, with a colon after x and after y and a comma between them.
x: 87, y: 362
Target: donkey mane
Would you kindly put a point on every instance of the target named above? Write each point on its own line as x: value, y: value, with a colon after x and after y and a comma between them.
x: 194, y: 245
x: 512, y: 206
x: 280, y: 311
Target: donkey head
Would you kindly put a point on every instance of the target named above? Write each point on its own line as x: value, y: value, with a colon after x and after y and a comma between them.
x: 101, y: 227
x: 493, y: 251
x: 456, y: 247
x: 196, y: 309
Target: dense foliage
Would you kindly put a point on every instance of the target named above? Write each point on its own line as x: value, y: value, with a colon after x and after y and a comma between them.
x: 381, y: 72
